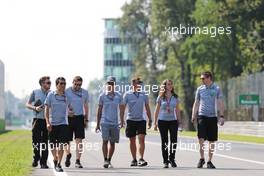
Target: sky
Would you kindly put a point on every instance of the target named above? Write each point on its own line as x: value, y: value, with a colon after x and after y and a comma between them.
x: 52, y: 37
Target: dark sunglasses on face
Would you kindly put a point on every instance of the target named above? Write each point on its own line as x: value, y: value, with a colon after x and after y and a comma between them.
x: 203, y: 78
x: 77, y: 84
x: 62, y: 83
x: 111, y: 83
x: 48, y: 82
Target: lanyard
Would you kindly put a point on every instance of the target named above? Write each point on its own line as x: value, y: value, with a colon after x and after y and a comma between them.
x: 60, y: 98
x: 110, y: 97
x: 168, y: 104
x: 77, y: 94
x: 136, y: 94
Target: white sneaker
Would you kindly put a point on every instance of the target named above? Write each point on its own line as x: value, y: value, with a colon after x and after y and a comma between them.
x: 110, y: 165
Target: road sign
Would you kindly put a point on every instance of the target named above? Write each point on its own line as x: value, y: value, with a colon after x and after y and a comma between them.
x: 249, y: 99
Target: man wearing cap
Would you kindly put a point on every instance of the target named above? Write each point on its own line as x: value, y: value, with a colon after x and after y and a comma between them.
x: 208, y: 101
x: 56, y: 115
x: 39, y: 130
x: 79, y: 99
x: 137, y: 100
x: 110, y: 102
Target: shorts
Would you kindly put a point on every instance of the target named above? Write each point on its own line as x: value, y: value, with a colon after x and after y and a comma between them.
x: 207, y: 128
x: 135, y: 128
x: 76, y: 127
x: 59, y: 135
x: 110, y: 133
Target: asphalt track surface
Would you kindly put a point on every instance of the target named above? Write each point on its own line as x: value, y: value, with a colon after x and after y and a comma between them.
x: 231, y: 159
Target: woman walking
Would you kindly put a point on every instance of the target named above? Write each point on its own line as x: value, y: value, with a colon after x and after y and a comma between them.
x: 167, y: 119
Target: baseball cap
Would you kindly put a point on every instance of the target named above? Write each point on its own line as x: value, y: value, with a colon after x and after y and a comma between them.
x: 111, y: 79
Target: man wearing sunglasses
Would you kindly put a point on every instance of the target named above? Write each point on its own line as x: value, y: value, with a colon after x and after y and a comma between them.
x: 208, y: 101
x: 138, y: 104
x: 79, y: 100
x: 56, y: 115
x: 110, y: 102
x: 39, y: 130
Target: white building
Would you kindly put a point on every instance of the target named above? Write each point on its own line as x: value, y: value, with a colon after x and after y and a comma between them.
x: 2, y: 92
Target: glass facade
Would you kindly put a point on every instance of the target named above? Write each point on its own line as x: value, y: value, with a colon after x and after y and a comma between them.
x: 118, y: 53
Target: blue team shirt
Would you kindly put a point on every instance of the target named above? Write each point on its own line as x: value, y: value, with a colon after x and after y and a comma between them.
x: 77, y: 100
x: 110, y: 109
x: 165, y: 114
x: 136, y: 102
x: 207, y: 97
x: 59, y: 106
x: 38, y: 95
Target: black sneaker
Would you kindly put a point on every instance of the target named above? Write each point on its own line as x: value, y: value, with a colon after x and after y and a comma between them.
x: 78, y: 164
x: 44, y: 166
x: 173, y: 164
x: 166, y: 165
x: 106, y: 164
x: 34, y: 163
x: 58, y: 168
x: 210, y: 165
x: 134, y: 163
x: 142, y: 162
x: 55, y: 163
x: 200, y: 163
x: 68, y: 160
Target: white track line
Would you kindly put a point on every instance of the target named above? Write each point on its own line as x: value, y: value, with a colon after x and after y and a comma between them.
x: 52, y: 166
x: 216, y: 154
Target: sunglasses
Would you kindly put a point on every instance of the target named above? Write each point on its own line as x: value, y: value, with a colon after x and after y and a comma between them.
x: 78, y: 84
x: 202, y: 78
x: 48, y: 82
x: 62, y: 83
x: 111, y: 83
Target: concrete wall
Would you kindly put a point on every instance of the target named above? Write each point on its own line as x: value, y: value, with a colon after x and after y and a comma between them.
x: 243, y: 128
x: 232, y: 88
x: 2, y: 91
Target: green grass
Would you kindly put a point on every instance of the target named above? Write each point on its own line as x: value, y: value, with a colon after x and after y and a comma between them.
x: 15, y: 153
x: 2, y: 124
x: 230, y: 137
x: 223, y: 136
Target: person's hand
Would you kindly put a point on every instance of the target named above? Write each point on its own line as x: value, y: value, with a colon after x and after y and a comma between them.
x: 70, y: 113
x: 194, y: 119
x: 97, y: 129
x: 180, y: 128
x: 221, y: 121
x: 86, y: 123
x: 122, y: 125
x: 49, y: 127
x: 149, y: 124
x: 156, y: 127
x: 39, y: 108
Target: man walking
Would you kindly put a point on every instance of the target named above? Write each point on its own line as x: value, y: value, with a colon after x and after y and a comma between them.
x: 136, y: 100
x: 79, y: 99
x: 208, y: 100
x: 57, y: 109
x: 39, y: 130
x: 107, y: 115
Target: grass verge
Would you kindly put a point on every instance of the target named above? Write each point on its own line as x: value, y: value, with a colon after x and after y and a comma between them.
x: 16, y: 153
x: 229, y: 137
x: 221, y: 136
